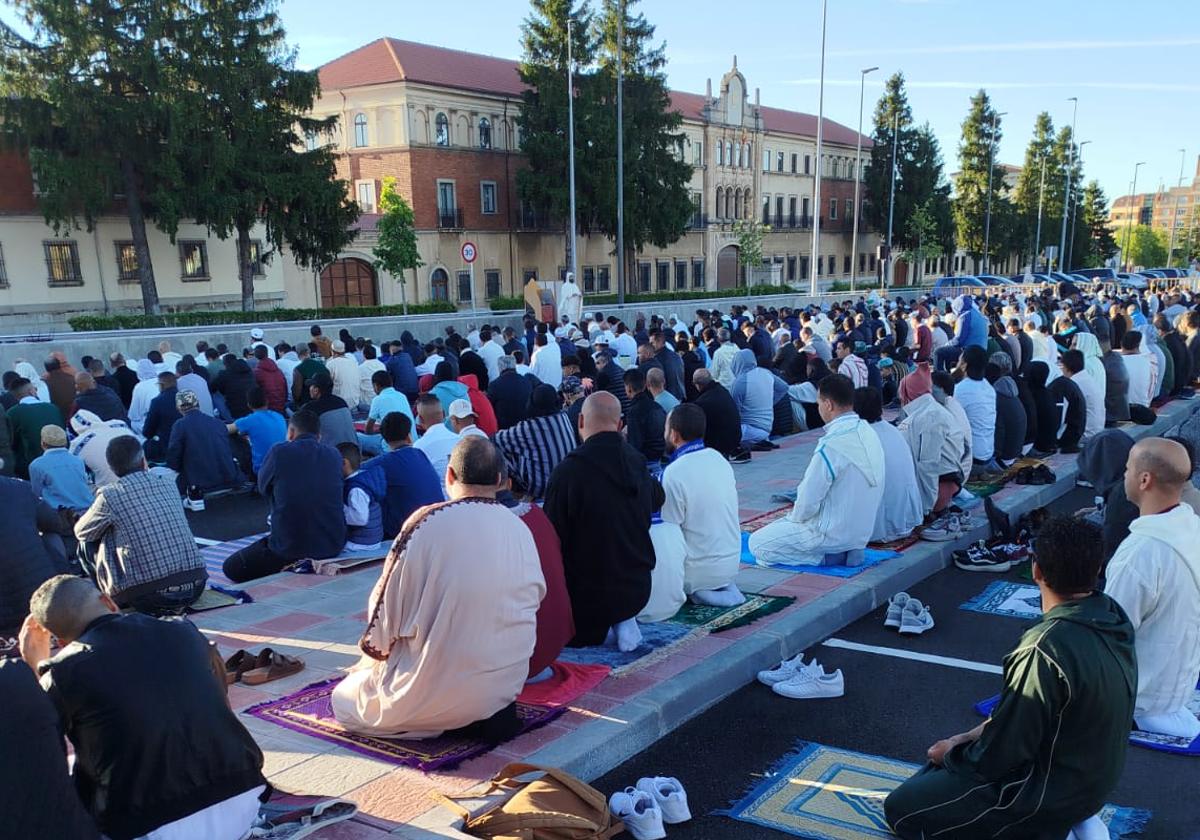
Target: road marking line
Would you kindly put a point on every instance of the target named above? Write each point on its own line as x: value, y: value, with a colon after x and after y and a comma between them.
x: 949, y: 661
x: 203, y: 541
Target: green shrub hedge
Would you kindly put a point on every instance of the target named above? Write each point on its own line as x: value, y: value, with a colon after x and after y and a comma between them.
x: 215, y: 317
x: 505, y: 304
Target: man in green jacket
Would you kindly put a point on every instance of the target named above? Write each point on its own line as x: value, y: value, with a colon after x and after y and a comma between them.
x: 25, y: 422
x: 1054, y: 746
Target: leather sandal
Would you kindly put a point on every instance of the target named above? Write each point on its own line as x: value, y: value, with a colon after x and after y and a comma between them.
x: 272, y: 666
x: 237, y: 665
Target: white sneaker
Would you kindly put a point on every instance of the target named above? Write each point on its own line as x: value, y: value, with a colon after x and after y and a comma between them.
x: 193, y: 504
x: 808, y: 685
x: 640, y: 813
x: 787, y: 669
x: 915, y: 619
x: 670, y: 796
x: 1093, y: 828
x: 895, y: 608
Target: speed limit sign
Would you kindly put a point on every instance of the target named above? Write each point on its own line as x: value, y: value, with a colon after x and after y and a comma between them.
x: 468, y: 252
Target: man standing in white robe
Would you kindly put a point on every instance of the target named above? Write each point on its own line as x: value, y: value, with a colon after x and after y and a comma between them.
x: 570, y: 300
x: 839, y: 495
x: 451, y: 628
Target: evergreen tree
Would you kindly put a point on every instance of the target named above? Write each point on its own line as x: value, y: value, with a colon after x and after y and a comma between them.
x: 1064, y: 155
x: 1093, y: 215
x: 93, y: 98
x: 975, y: 154
x: 1030, y: 187
x: 658, y: 204
x: 259, y: 159
x: 892, y: 109
x: 396, y: 250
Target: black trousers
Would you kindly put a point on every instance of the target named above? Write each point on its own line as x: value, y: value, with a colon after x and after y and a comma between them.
x: 254, y: 561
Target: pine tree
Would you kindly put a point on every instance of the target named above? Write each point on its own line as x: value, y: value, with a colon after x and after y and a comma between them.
x: 1093, y: 214
x: 892, y: 109
x: 255, y: 162
x: 975, y: 154
x: 1030, y: 189
x: 94, y: 100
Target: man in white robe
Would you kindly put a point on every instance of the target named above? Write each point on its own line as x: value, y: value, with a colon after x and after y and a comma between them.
x: 451, y: 628
x: 570, y: 300
x: 938, y: 443
x: 840, y: 493
x: 900, y: 509
x: 1155, y: 577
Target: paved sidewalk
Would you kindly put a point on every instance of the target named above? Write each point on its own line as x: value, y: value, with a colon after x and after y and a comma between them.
x: 320, y: 619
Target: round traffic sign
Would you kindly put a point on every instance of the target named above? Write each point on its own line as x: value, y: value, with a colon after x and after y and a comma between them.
x: 468, y: 252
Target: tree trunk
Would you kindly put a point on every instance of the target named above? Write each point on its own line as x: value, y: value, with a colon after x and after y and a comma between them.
x: 141, y: 245
x: 245, y: 267
x: 403, y: 294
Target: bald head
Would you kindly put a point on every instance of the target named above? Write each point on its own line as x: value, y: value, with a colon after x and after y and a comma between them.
x: 601, y: 413
x: 1156, y: 473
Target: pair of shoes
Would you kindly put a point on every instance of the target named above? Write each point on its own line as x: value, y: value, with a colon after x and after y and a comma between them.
x: 907, y: 615
x: 742, y: 456
x: 645, y: 808
x: 792, y: 678
x: 946, y: 529
x: 194, y: 500
x: 258, y: 668
x: 764, y: 446
x: 980, y: 558
x: 998, y: 519
x: 1041, y: 474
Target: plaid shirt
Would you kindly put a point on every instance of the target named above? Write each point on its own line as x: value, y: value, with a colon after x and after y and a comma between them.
x: 142, y: 531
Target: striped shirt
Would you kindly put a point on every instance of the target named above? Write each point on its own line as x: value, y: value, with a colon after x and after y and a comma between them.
x: 534, y: 447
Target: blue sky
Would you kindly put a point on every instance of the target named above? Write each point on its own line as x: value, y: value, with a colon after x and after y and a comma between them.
x: 1132, y: 66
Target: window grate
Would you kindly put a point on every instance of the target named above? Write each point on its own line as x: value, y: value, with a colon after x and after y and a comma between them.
x: 62, y: 263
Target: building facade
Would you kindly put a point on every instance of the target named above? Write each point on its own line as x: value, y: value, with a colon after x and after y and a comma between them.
x: 1169, y: 209
x: 443, y: 123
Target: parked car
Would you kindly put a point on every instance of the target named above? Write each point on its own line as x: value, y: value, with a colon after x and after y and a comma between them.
x: 1132, y: 281
x: 947, y: 283
x: 1100, y: 274
x: 994, y: 280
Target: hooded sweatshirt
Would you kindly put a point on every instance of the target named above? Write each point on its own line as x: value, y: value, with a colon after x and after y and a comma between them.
x: 1155, y: 577
x: 270, y: 378
x: 1010, y: 420
x: 971, y: 328
x: 1102, y: 462
x: 91, y: 443
x: 755, y: 391
x: 143, y: 394
x: 600, y: 500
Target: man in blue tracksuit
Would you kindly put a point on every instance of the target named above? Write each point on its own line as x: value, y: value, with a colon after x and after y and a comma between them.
x: 971, y: 330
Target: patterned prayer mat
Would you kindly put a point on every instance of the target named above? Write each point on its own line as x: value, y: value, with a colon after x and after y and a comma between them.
x: 716, y: 619
x: 755, y: 522
x: 216, y: 596
x: 656, y: 638
x: 309, y: 712
x: 872, y: 557
x: 896, y: 545
x: 1002, y: 597
x: 1149, y: 740
x: 824, y: 793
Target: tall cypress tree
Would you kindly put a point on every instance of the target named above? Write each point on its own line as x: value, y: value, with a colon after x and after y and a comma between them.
x: 261, y: 158
x: 93, y: 97
x: 1030, y: 188
x: 1093, y: 214
x: 975, y: 153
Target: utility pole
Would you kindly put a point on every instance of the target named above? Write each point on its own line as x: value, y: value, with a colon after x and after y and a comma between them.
x: 862, y: 89
x: 1062, y: 241
x: 1070, y: 262
x: 1129, y: 223
x: 887, y: 266
x: 574, y: 261
x: 987, y: 217
x: 620, y: 153
x: 1175, y: 209
x: 1037, y: 245
x: 816, y: 234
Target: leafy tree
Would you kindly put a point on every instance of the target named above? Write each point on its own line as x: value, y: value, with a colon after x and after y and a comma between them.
x: 254, y: 162
x: 750, y: 233
x: 658, y: 204
x: 924, y: 234
x: 396, y: 250
x: 93, y: 97
x: 975, y: 154
x: 1030, y: 189
x: 1143, y: 246
x: 1093, y: 214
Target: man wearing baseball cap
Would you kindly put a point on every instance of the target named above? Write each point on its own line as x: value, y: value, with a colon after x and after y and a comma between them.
x: 462, y: 419
x: 199, y: 451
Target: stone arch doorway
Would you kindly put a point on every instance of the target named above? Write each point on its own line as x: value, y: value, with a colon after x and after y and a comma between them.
x: 439, y: 285
x: 349, y: 282
x: 727, y: 267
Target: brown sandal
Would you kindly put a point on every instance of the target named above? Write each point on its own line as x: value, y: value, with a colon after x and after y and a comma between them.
x: 237, y: 665
x: 272, y: 666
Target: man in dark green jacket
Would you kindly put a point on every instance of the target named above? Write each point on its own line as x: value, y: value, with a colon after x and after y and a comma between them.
x: 1054, y: 746
x: 25, y: 422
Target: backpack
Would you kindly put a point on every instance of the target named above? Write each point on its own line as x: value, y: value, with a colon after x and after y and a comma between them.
x: 556, y: 806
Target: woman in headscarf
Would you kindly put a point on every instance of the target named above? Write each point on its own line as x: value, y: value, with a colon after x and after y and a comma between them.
x: 1093, y: 364
x: 145, y: 391
x: 1102, y: 462
x: 535, y: 446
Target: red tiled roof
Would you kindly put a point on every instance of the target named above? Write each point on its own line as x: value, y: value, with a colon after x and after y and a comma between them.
x: 392, y: 60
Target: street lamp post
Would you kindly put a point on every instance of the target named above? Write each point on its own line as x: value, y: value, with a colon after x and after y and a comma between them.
x: 987, y: 217
x: 620, y: 153
x: 887, y: 265
x: 1129, y: 222
x: 862, y: 89
x: 574, y: 261
x: 1037, y: 245
x: 1062, y: 241
x: 1175, y: 209
x: 1070, y: 261
x: 816, y: 235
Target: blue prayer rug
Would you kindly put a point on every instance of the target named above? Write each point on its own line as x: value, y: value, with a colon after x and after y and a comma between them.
x: 1002, y: 597
x: 871, y: 557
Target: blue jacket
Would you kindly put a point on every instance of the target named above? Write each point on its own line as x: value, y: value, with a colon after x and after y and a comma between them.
x: 303, y: 480
x: 972, y: 328
x: 404, y: 373
x: 199, y: 451
x: 410, y: 483
x: 372, y: 483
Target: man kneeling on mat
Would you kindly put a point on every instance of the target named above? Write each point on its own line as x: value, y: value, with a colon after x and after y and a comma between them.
x: 1054, y: 746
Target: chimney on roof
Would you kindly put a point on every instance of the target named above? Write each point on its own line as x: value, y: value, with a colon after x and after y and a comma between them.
x: 708, y: 95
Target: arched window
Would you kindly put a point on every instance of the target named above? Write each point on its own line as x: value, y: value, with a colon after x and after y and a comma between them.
x: 748, y: 158
x: 439, y: 285
x: 720, y: 154
x: 746, y: 204
x: 360, y: 130
x: 739, y: 155
x: 729, y: 153
x: 442, y: 130
x: 728, y: 204
x: 485, y: 133
x: 720, y: 206
x: 737, y: 204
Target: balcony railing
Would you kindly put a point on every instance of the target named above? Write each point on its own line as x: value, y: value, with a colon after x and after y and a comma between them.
x: 450, y: 219
x: 531, y: 219
x: 699, y: 221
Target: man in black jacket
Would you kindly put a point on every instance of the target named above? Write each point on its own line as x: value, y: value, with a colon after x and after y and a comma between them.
x: 509, y: 393
x: 600, y: 499
x: 151, y: 752
x: 126, y: 379
x: 234, y: 383
x: 672, y: 365
x: 645, y: 420
x: 96, y: 398
x: 723, y: 427
x: 1174, y: 344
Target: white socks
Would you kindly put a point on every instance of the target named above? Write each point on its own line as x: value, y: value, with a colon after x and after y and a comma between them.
x: 1180, y: 724
x: 629, y: 635
x: 727, y: 596
x: 1093, y: 828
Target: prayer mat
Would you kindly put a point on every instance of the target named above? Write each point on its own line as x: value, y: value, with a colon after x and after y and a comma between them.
x: 896, y: 545
x: 216, y: 596
x: 215, y: 556
x: 871, y: 557
x: 716, y: 619
x: 288, y: 816
x: 569, y: 682
x: 755, y: 522
x: 987, y: 488
x: 658, y: 640
x: 343, y: 562
x: 825, y: 793
x: 309, y: 712
x: 1149, y: 740
x: 1002, y: 597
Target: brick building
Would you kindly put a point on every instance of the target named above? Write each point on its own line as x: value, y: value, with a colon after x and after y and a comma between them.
x: 1167, y: 209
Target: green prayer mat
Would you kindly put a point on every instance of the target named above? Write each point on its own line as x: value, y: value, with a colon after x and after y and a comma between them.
x: 716, y: 619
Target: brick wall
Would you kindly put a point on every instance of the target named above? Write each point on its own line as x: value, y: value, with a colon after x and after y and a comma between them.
x: 16, y: 184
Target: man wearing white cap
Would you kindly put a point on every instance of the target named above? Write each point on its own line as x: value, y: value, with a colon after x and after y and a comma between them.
x: 257, y: 338
x: 343, y: 370
x: 462, y: 420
